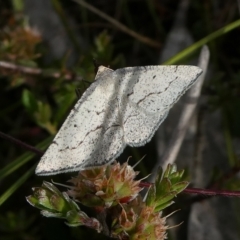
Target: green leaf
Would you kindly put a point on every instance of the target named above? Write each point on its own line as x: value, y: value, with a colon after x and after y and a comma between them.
x: 159, y: 177
x: 181, y: 172
x: 29, y: 101
x: 45, y: 113
x: 163, y: 206
x: 179, y: 187
x: 151, y: 196
x: 174, y: 177
x: 166, y: 198
x: 46, y: 213
x: 163, y: 188
x: 170, y: 170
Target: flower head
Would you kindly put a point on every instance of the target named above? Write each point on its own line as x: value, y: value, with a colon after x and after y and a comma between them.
x: 105, y: 186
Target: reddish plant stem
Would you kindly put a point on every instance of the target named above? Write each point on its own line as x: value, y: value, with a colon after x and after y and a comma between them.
x: 20, y: 143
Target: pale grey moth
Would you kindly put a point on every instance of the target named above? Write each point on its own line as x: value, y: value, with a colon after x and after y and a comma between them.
x: 120, y: 108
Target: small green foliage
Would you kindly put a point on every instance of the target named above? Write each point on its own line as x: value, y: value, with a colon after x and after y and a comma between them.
x: 49, y: 198
x: 166, y: 187
x: 112, y: 191
x: 39, y: 111
x: 53, y: 203
x: 29, y: 101
x: 103, y: 50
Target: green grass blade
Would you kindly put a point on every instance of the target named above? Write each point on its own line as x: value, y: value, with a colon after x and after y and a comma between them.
x: 16, y: 185
x: 20, y: 161
x: 188, y: 51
